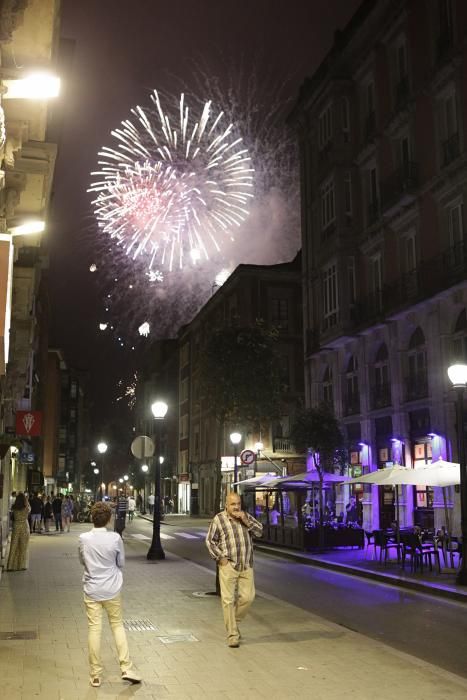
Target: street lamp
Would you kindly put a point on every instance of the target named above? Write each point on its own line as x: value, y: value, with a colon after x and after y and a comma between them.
x: 458, y: 376
x: 159, y: 410
x: 125, y: 479
x: 102, y: 449
x: 144, y: 469
x: 96, y: 472
x: 235, y: 439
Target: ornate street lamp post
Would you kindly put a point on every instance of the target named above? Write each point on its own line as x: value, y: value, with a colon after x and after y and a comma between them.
x: 235, y: 439
x: 159, y: 410
x: 458, y: 376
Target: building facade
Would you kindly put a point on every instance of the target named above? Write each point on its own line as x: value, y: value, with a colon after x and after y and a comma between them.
x: 382, y: 132
x: 271, y: 293
x: 28, y: 43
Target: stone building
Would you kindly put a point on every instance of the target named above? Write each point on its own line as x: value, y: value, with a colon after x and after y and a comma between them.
x: 382, y: 132
x: 28, y: 43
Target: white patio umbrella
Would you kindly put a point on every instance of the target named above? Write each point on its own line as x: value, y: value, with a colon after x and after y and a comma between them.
x: 260, y: 480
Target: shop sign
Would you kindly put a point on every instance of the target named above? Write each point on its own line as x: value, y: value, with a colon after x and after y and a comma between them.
x: 357, y: 471
x: 26, y: 457
x: 28, y: 423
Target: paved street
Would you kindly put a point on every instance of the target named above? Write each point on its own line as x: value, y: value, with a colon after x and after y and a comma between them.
x: 288, y: 650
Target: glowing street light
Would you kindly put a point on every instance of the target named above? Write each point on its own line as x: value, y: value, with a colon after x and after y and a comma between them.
x: 235, y: 439
x: 159, y: 410
x: 36, y: 86
x: 28, y: 228
x: 458, y: 375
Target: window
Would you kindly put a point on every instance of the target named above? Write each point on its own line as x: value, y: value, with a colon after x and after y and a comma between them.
x: 449, y: 127
x: 328, y: 392
x: 73, y: 390
x: 325, y: 127
x: 372, y: 195
x: 196, y: 440
x: 417, y: 381
x: 345, y: 119
x: 348, y: 194
x: 62, y: 434
x: 330, y: 301
x: 183, y: 427
x: 328, y: 213
x: 382, y: 391
x: 370, y: 98
x: 184, y: 391
x: 280, y: 313
x: 401, y: 61
x: 376, y: 281
x: 459, y: 339
x: 184, y: 354
x: 183, y: 463
x: 409, y: 257
x: 352, y: 282
x: 284, y: 372
x: 456, y: 230
x: 405, y: 153
x: 352, y: 391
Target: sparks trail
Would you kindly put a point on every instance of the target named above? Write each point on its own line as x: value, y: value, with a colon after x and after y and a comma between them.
x: 173, y: 186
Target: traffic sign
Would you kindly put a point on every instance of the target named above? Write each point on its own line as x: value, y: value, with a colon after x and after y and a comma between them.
x: 142, y: 447
x: 247, y: 457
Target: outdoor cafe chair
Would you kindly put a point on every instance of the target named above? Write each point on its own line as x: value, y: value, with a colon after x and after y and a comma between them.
x: 386, y: 541
x: 419, y: 553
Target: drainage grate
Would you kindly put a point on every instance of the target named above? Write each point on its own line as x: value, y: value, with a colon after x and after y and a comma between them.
x: 139, y: 626
x: 173, y: 638
x: 28, y: 634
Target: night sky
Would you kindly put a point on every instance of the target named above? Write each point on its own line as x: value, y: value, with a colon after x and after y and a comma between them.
x: 122, y: 51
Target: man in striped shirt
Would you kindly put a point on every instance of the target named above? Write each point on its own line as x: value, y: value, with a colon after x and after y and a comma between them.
x: 229, y: 541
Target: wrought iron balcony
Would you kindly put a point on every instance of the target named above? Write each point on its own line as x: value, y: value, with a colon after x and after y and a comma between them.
x: 451, y: 148
x: 281, y: 444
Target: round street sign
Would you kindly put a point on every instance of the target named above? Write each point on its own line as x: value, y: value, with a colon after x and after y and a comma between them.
x: 142, y: 447
x: 247, y: 456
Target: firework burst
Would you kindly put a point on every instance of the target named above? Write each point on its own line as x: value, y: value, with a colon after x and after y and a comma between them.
x: 173, y: 185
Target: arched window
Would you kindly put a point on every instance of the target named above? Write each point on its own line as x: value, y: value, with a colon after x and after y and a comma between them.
x: 417, y: 379
x: 328, y: 392
x: 381, y: 386
x: 459, y: 339
x: 352, y: 403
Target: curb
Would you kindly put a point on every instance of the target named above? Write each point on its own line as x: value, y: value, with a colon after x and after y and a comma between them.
x: 389, y: 579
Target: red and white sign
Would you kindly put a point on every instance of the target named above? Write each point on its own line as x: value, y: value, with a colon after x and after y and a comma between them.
x: 28, y: 423
x: 247, y: 456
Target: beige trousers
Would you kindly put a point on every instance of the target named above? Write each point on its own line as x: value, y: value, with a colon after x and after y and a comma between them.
x: 237, y: 594
x: 113, y: 608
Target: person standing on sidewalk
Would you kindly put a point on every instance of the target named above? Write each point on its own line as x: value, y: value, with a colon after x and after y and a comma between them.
x: 102, y: 554
x: 230, y: 543
x: 131, y: 508
x: 67, y: 512
x: 57, y: 511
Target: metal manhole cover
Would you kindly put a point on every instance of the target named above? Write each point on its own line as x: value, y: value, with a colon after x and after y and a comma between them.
x: 28, y: 634
x: 139, y: 626
x: 173, y: 638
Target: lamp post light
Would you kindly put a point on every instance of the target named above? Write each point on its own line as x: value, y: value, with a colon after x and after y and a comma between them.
x: 144, y: 469
x: 159, y: 410
x: 96, y: 472
x: 102, y: 449
x: 125, y: 479
x: 458, y: 376
x: 235, y: 439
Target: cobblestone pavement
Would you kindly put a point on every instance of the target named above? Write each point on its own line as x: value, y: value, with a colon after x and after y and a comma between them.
x: 285, y: 652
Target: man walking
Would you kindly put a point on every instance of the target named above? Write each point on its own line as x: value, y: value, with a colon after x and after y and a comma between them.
x: 120, y: 514
x: 229, y: 541
x: 57, y: 511
x: 102, y: 554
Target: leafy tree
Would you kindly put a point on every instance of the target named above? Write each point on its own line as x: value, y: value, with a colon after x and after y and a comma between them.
x: 239, y: 380
x: 317, y: 431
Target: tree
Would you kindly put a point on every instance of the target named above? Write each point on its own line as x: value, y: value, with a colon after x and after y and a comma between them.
x: 239, y: 380
x: 316, y: 430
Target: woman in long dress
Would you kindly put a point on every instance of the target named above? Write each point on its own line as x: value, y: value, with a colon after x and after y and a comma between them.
x: 19, y: 545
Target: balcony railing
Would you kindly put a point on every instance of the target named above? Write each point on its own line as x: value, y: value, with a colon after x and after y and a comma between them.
x: 416, y: 386
x: 399, y: 186
x: 451, y: 148
x: 281, y: 444
x: 381, y: 395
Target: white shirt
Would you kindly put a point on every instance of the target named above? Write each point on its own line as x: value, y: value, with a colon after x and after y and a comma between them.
x: 151, y: 499
x: 102, y: 554
x: 131, y: 503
